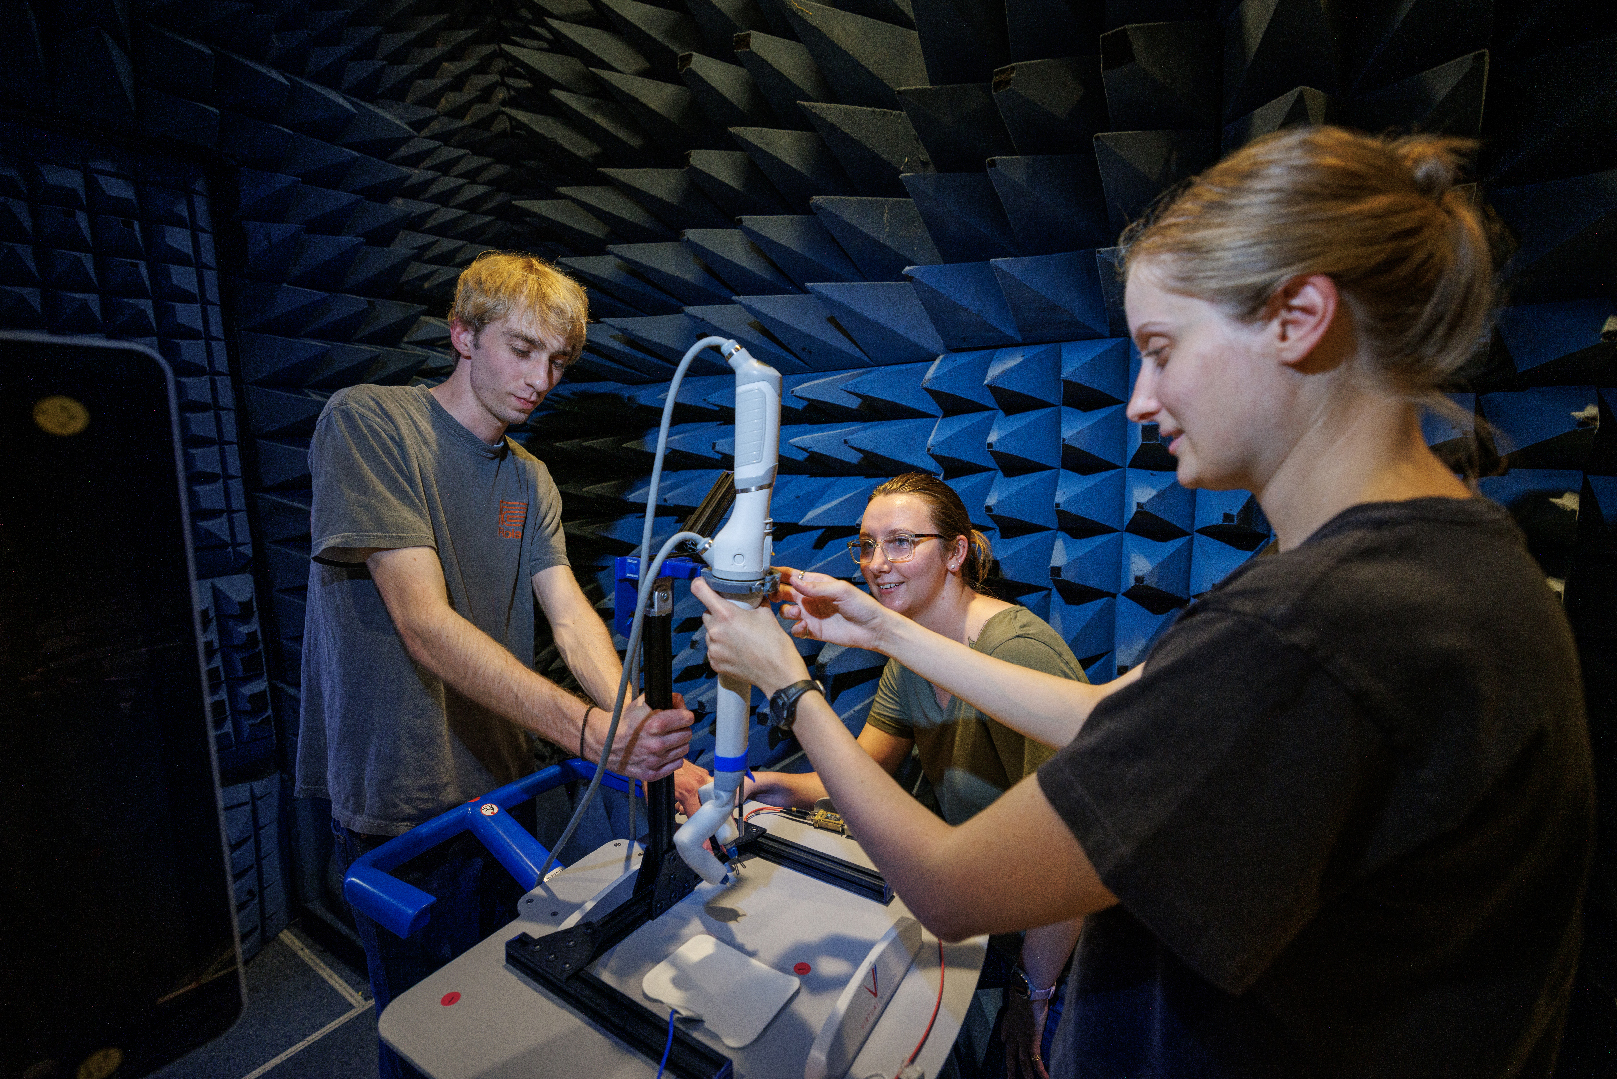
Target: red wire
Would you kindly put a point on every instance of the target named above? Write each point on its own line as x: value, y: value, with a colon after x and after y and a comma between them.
x: 761, y: 809
x: 935, y: 1006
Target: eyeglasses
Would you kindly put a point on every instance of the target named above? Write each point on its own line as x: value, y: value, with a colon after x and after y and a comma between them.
x: 899, y: 548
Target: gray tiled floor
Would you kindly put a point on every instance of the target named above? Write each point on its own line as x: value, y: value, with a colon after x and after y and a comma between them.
x: 308, y: 1016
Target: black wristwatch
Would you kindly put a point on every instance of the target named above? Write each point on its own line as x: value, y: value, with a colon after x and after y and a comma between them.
x: 783, y: 703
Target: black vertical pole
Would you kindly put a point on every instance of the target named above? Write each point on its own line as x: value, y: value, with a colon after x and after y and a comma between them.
x: 657, y: 667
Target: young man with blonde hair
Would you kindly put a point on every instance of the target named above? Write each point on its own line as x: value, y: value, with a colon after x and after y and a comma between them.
x: 433, y: 534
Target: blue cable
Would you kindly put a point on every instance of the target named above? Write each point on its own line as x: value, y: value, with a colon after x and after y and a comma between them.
x: 670, y: 1044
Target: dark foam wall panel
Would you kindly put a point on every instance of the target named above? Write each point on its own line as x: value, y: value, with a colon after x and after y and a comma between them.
x: 107, y: 242
x: 917, y: 237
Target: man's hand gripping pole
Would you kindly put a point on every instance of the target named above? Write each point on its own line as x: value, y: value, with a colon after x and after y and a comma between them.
x: 738, y: 569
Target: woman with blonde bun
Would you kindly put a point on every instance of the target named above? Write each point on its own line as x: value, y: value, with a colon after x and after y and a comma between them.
x: 1339, y: 822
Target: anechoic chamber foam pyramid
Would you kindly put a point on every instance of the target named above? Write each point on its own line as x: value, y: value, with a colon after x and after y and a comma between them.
x: 613, y: 126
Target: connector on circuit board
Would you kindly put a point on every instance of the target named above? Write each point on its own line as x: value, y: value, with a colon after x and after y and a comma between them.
x: 822, y: 819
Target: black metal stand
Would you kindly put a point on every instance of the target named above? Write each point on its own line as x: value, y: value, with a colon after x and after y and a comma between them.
x: 559, y: 961
x: 849, y: 876
x: 664, y: 876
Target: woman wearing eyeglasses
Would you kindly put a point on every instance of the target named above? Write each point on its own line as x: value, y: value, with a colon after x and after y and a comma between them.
x: 921, y: 558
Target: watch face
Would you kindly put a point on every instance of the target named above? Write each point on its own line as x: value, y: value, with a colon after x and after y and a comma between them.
x: 777, y: 707
x: 783, y: 703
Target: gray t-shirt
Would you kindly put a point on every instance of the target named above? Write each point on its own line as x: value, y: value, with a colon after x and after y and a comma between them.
x: 970, y: 758
x: 384, y: 739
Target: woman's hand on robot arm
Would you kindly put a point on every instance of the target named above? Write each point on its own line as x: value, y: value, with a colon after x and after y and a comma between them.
x: 828, y: 609
x: 689, y: 779
x: 748, y: 643
x: 778, y: 789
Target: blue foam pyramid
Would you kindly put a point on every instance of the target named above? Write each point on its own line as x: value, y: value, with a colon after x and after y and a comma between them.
x: 1027, y: 441
x: 960, y: 443
x: 1090, y: 505
x: 1025, y: 377
x: 956, y: 379
x: 1024, y: 503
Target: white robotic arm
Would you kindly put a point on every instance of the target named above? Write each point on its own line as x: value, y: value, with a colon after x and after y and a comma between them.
x: 738, y: 569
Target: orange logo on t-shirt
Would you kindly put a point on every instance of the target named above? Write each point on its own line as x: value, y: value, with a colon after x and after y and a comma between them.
x: 512, y: 514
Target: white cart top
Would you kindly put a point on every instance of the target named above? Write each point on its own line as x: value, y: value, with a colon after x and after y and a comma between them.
x: 501, y: 1026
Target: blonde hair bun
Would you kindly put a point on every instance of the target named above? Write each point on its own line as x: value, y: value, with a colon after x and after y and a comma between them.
x: 1435, y: 162
x: 1379, y: 216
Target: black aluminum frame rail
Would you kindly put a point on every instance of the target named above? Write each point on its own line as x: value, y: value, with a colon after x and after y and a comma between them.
x: 844, y: 874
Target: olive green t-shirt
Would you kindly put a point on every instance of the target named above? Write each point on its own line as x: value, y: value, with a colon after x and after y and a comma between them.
x: 969, y: 758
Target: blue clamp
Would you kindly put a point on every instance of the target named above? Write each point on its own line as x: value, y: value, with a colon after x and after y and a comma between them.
x: 626, y: 571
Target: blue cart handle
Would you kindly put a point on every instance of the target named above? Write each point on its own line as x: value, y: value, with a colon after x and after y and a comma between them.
x: 371, y: 888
